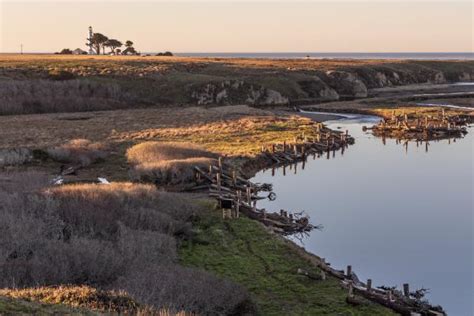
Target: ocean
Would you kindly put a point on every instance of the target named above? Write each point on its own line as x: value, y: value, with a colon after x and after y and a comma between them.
x: 415, y: 56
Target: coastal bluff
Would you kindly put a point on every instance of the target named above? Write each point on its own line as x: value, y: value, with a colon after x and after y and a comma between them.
x: 48, y: 83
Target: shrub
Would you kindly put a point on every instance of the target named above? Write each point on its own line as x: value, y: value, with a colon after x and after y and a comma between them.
x: 80, y: 151
x: 46, y: 96
x: 60, y: 75
x: 16, y: 156
x: 197, y: 291
x: 117, y: 236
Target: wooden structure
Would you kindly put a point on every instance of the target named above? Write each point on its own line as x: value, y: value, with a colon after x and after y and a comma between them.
x: 422, y: 128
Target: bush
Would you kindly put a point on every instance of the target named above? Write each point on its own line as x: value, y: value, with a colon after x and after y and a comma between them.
x: 16, y: 156
x: 46, y: 96
x: 60, y: 75
x: 198, y: 291
x: 80, y: 151
x: 120, y: 236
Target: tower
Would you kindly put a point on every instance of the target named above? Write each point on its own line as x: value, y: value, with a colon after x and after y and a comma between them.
x: 91, y: 50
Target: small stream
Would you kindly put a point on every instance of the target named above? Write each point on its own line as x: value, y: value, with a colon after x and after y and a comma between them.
x: 398, y: 214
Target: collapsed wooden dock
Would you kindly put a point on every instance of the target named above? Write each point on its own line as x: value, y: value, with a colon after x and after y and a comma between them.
x: 422, y: 128
x: 326, y: 140
x: 237, y: 195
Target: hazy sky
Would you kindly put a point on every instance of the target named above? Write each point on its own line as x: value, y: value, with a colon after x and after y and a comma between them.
x: 242, y: 26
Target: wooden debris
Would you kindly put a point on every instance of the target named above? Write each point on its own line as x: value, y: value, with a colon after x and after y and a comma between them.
x: 416, y: 127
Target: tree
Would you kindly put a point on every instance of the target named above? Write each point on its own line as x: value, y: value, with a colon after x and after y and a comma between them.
x: 98, y: 41
x: 65, y: 51
x: 129, y: 50
x: 113, y: 44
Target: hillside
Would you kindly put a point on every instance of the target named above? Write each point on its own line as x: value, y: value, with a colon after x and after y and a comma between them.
x: 49, y: 83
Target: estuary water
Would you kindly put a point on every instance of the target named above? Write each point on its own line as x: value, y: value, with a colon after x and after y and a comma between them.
x: 396, y: 213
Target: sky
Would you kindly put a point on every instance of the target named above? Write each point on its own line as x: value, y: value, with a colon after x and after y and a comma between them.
x: 242, y: 26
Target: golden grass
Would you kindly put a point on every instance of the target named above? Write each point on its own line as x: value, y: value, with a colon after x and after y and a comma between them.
x: 167, y: 163
x: 76, y: 296
x: 98, y: 192
x: 155, y: 152
x: 244, y: 136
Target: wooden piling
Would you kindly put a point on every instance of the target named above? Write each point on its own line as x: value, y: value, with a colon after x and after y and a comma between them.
x: 406, y: 286
x: 349, y: 271
x: 369, y: 285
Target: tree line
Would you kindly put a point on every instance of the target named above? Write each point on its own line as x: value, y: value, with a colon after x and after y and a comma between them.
x: 99, y: 42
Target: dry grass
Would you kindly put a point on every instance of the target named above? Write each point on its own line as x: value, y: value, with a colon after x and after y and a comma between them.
x: 76, y: 296
x: 233, y: 137
x: 167, y: 163
x: 171, y: 172
x: 81, y: 151
x: 153, y: 152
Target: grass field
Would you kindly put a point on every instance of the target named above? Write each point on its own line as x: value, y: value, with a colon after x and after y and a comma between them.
x: 243, y: 251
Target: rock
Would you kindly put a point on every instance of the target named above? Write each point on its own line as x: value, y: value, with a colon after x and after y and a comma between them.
x: 346, y: 84
x: 236, y: 92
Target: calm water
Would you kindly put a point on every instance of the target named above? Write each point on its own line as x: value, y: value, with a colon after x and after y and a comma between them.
x: 289, y: 55
x: 395, y: 214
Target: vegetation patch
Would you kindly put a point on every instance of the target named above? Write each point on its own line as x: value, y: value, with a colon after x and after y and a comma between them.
x: 243, y: 251
x: 121, y: 236
x: 76, y: 296
x: 167, y: 163
x: 79, y: 151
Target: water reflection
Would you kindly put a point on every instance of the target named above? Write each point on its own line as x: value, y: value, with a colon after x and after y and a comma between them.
x: 396, y: 211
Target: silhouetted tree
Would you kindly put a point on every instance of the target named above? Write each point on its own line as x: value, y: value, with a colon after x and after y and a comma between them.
x: 98, y: 41
x: 113, y: 44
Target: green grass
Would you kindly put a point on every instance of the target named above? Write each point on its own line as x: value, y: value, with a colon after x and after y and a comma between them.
x: 243, y: 251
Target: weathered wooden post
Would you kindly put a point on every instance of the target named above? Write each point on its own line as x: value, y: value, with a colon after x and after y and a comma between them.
x: 351, y: 290
x: 218, y: 179
x: 390, y: 295
x: 284, y: 146
x: 210, y: 171
x: 369, y: 285
x: 295, y: 149
x: 349, y: 272
x: 281, y: 212
x: 219, y: 162
x: 237, y: 204
x: 347, y: 132
x: 249, y: 195
x: 273, y: 148
x: 234, y: 178
x: 254, y: 207
x: 323, y: 275
x: 406, y: 286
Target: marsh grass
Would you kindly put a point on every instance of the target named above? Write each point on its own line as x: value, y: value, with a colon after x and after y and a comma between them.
x: 79, y: 151
x: 167, y: 163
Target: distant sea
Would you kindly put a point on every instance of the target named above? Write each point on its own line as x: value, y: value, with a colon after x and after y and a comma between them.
x: 431, y: 56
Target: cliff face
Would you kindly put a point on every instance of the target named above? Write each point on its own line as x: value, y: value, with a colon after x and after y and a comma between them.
x: 289, y: 86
